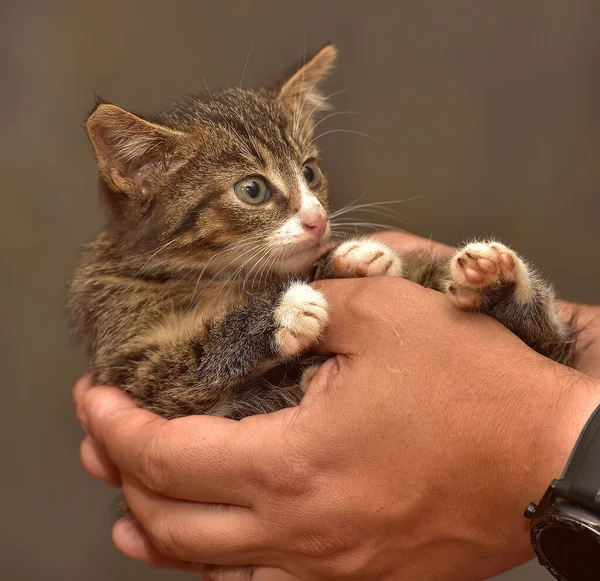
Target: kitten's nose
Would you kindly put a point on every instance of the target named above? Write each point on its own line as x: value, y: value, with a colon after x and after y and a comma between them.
x: 315, y: 223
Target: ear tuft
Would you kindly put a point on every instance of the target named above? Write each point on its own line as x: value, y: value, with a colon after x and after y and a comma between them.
x: 301, y: 92
x: 131, y: 151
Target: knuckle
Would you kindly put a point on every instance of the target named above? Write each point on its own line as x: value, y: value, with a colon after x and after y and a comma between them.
x: 327, y: 546
x: 365, y: 301
x: 149, y: 466
x: 289, y: 480
x: 293, y: 476
x: 164, y: 536
x: 296, y: 477
x: 344, y: 556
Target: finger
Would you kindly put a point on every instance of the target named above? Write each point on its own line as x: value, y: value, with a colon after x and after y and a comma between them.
x: 359, y: 309
x: 404, y: 242
x: 196, y: 532
x: 243, y: 574
x: 82, y: 386
x: 184, y: 458
x: 97, y: 463
x: 134, y: 543
x: 341, y: 333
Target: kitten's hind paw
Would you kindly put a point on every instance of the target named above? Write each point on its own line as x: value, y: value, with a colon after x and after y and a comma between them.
x: 358, y: 258
x: 480, y: 267
x: 307, y: 376
x: 301, y: 317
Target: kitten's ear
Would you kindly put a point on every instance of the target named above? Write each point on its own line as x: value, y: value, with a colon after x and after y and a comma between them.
x: 134, y: 155
x: 301, y: 92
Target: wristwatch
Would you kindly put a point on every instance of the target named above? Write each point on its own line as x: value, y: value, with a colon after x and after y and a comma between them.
x: 565, y: 527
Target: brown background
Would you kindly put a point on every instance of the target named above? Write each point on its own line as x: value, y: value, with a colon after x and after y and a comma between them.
x: 487, y: 111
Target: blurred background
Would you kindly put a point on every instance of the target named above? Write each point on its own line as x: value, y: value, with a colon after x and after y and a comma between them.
x: 486, y: 112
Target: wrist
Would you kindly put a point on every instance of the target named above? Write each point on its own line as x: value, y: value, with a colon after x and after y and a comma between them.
x: 562, y: 404
x: 574, y: 405
x: 534, y: 448
x: 565, y: 522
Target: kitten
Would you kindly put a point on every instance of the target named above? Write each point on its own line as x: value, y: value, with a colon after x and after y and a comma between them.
x: 211, y: 191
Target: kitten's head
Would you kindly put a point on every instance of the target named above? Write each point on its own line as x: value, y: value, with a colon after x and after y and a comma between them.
x: 232, y: 177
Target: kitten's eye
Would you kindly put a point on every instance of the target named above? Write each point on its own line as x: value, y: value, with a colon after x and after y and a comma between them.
x: 312, y: 173
x: 252, y: 190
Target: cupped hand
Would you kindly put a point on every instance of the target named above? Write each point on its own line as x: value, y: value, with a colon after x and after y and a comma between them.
x: 411, y: 457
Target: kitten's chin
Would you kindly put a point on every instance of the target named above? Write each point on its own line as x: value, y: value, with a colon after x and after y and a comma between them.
x: 299, y: 261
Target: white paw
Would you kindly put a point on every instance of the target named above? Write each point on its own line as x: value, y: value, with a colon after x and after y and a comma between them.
x: 307, y: 376
x: 358, y: 258
x: 480, y: 265
x: 302, y: 317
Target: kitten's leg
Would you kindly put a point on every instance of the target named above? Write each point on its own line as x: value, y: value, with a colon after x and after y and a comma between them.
x: 490, y: 278
x: 359, y: 258
x: 181, y: 370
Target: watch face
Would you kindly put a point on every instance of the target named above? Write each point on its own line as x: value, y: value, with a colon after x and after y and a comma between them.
x: 569, y: 549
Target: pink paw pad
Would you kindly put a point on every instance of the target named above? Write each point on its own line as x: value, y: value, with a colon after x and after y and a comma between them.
x: 465, y: 298
x: 480, y: 265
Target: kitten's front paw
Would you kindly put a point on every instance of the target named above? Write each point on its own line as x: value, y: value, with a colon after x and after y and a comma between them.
x: 358, y: 258
x: 302, y: 317
x: 480, y: 266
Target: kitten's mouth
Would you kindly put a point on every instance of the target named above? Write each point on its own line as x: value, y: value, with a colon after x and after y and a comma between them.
x: 302, y: 256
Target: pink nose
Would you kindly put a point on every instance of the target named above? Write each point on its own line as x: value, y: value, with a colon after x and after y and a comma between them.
x: 316, y: 224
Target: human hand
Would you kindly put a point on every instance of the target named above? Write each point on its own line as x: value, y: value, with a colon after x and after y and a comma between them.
x: 587, y: 316
x: 412, y: 455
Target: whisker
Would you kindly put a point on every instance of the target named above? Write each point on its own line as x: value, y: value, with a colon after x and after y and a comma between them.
x: 156, y: 252
x: 321, y: 101
x: 402, y: 218
x: 350, y: 204
x: 245, y: 253
x: 276, y: 257
x: 245, y: 65
x: 342, y: 131
x: 193, y: 269
x: 354, y: 206
x: 191, y: 303
x: 265, y: 268
x: 334, y: 114
x: 241, y: 268
x: 304, y: 100
x: 253, y: 267
x: 297, y: 117
x: 205, y: 263
x: 362, y: 223
x: 379, y: 212
x: 237, y: 271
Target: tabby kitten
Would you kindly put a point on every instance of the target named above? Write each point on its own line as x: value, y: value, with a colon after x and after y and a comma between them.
x: 207, y: 193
